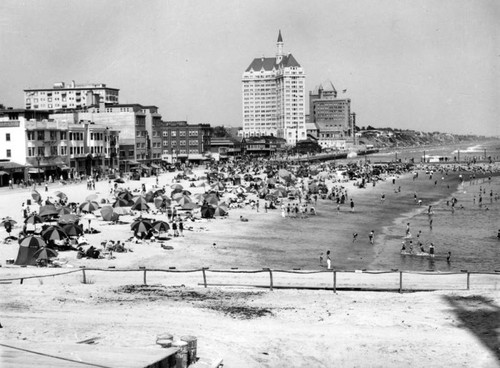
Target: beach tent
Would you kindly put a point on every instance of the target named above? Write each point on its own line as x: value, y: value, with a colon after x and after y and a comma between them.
x: 27, y: 248
x: 207, y: 211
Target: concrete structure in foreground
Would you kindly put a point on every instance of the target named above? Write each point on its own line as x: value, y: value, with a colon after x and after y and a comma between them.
x: 70, y: 96
x: 273, y: 95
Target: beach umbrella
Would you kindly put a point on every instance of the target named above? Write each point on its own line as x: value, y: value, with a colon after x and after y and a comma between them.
x: 162, y: 202
x: 104, y: 201
x: 90, y: 198
x: 61, y: 195
x: 63, y: 211
x: 48, y: 210
x: 126, y: 195
x: 8, y: 221
x: 69, y: 218
x: 89, y: 206
x: 149, y: 197
x: 32, y: 241
x: 220, y: 211
x: 33, y: 219
x: 183, y: 200
x: 141, y: 225
x: 54, y: 233
x: 108, y: 214
x: 219, y: 186
x: 36, y: 196
x: 177, y: 187
x: 73, y: 230
x: 189, y: 206
x: 45, y: 254
x: 211, y: 198
x: 27, y: 247
x: 202, y: 184
x: 119, y: 181
x: 140, y: 205
x: 161, y: 226
x: 122, y: 202
x: 122, y: 210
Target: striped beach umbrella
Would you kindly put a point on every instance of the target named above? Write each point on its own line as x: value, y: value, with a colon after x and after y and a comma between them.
x: 33, y: 219
x: 122, y: 202
x: 140, y: 205
x: 33, y: 241
x: 73, y: 230
x: 89, y: 206
x: 54, y: 233
x: 69, y: 218
x: 63, y: 211
x: 141, y: 226
x: 161, y: 226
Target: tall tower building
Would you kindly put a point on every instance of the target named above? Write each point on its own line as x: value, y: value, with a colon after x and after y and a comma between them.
x: 273, y: 92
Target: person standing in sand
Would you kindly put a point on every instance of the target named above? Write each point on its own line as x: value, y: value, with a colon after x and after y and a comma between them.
x: 328, y: 260
x: 352, y: 205
x: 431, y: 250
x: 371, y: 236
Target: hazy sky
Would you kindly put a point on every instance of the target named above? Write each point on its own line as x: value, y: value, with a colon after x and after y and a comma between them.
x: 425, y: 65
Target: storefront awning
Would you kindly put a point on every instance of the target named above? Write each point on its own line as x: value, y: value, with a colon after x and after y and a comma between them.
x: 154, y: 166
x: 34, y: 171
x: 145, y: 167
x: 4, y: 173
x: 132, y: 162
x: 64, y: 167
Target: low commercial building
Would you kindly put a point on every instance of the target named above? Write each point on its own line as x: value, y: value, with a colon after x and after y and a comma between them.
x: 182, y: 142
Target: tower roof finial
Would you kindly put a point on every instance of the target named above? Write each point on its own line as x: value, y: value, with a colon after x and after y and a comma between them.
x: 280, y: 39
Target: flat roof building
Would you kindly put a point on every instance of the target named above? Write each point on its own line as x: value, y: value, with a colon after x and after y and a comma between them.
x: 70, y: 96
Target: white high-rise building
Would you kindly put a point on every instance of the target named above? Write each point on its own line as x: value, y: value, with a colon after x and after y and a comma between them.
x: 273, y: 91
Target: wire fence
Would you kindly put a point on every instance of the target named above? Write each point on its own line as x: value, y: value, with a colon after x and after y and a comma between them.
x: 333, y: 280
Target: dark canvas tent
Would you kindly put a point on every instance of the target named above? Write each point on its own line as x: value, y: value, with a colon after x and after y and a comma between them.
x: 27, y: 248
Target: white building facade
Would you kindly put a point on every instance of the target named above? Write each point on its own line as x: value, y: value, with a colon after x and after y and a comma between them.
x: 69, y: 96
x: 273, y: 96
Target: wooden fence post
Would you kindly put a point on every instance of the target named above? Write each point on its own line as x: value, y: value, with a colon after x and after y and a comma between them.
x: 334, y: 281
x: 21, y: 281
x: 84, y: 276
x: 204, y: 276
x: 400, y: 281
x: 270, y: 278
x: 468, y: 280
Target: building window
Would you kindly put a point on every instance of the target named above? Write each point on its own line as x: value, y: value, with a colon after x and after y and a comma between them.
x: 138, y: 133
x: 174, y: 133
x: 63, y: 136
x: 31, y: 136
x: 7, y: 137
x: 53, y: 151
x: 138, y: 145
x: 9, y: 153
x: 130, y: 153
x: 40, y: 151
x: 165, y: 134
x: 40, y: 135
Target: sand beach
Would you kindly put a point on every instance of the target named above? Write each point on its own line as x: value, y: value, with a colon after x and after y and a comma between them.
x: 255, y: 327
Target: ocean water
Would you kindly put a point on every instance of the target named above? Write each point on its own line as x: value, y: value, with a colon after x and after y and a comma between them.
x: 469, y: 233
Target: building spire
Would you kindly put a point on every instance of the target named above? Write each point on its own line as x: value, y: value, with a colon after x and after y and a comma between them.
x: 279, y: 48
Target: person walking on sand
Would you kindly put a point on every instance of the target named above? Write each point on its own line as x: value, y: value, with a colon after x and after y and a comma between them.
x: 371, y: 236
x: 352, y: 205
x: 321, y: 259
x: 328, y: 260
x: 448, y: 257
x: 354, y: 237
x: 431, y: 250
